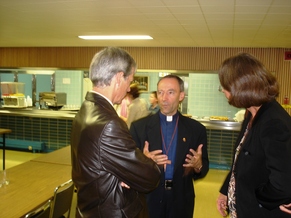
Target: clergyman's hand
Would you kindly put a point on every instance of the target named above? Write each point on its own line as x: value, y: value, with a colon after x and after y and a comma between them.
x: 194, y: 159
x: 156, y: 155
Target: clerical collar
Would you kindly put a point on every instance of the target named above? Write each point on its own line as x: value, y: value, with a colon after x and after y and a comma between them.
x: 168, y: 118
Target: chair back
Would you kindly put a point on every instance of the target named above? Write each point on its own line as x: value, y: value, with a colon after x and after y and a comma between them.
x: 62, y: 200
x: 41, y: 212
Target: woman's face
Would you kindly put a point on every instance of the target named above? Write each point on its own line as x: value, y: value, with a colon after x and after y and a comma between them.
x: 123, y: 87
x: 153, y: 99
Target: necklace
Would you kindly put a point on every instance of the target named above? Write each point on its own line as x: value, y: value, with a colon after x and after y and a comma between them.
x: 173, y: 135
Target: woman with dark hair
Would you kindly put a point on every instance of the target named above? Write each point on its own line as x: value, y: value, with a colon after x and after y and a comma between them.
x: 258, y: 184
x: 137, y: 107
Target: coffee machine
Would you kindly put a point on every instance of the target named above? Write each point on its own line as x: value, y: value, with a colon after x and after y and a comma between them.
x: 52, y: 100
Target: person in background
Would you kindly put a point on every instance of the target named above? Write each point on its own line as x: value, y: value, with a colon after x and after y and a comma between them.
x: 107, y: 168
x: 178, y: 144
x: 258, y: 184
x: 121, y: 108
x: 154, y: 106
x: 138, y: 106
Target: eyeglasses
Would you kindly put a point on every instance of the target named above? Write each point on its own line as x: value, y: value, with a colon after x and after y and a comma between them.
x: 220, y: 88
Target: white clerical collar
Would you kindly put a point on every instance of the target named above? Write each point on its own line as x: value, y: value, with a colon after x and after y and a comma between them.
x: 166, y: 118
x: 169, y: 118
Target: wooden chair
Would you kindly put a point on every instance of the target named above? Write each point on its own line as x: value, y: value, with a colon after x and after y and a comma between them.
x: 41, y: 212
x: 62, y: 200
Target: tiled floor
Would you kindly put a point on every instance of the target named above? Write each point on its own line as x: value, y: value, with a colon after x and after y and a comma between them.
x: 206, y: 189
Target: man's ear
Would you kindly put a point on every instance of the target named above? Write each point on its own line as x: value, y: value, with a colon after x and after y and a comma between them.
x: 118, y: 78
x: 182, y: 96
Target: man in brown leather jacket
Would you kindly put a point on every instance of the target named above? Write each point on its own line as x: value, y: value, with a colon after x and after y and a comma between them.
x: 108, y: 170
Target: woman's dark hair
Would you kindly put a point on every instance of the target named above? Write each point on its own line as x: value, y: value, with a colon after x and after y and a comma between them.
x: 248, y: 81
x: 134, y: 91
x: 155, y: 93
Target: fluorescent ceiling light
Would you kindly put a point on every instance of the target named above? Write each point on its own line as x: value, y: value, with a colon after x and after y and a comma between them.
x: 115, y: 37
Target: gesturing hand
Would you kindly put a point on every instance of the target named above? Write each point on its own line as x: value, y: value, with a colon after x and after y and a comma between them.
x: 156, y: 155
x: 194, y: 159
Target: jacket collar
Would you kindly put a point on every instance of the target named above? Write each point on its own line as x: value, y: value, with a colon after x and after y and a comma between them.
x: 96, y: 97
x: 102, y: 96
x: 261, y: 111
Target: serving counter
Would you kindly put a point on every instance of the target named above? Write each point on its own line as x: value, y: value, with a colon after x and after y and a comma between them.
x: 221, y: 125
x: 37, y: 130
x: 69, y: 115
x: 39, y: 113
x: 47, y: 130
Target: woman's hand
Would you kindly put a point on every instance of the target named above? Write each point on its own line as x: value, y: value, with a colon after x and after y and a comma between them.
x: 221, y: 204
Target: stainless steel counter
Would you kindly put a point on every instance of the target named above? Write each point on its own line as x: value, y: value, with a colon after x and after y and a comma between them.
x: 54, y: 129
x: 221, y: 125
x: 31, y: 112
x: 69, y: 115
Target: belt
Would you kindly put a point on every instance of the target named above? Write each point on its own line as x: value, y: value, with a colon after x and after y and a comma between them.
x: 168, y: 184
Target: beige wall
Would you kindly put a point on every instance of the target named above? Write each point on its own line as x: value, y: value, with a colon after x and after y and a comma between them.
x: 166, y: 58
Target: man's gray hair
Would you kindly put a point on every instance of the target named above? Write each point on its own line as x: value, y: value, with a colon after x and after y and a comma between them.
x: 107, y: 63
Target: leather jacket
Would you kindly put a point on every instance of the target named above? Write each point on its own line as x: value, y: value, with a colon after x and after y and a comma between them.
x: 104, y: 155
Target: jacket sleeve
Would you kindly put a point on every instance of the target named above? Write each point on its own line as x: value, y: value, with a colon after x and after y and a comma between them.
x: 205, y: 160
x: 138, y: 134
x: 121, y: 157
x: 276, y: 142
x: 224, y: 187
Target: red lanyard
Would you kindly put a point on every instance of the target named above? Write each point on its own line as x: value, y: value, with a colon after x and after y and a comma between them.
x: 173, y: 135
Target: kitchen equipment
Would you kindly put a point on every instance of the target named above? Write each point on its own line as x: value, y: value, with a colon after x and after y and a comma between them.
x: 10, y: 88
x: 12, y: 94
x: 14, y: 101
x: 52, y: 100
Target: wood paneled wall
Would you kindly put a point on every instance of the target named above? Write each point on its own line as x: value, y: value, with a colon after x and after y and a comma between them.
x: 161, y: 58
